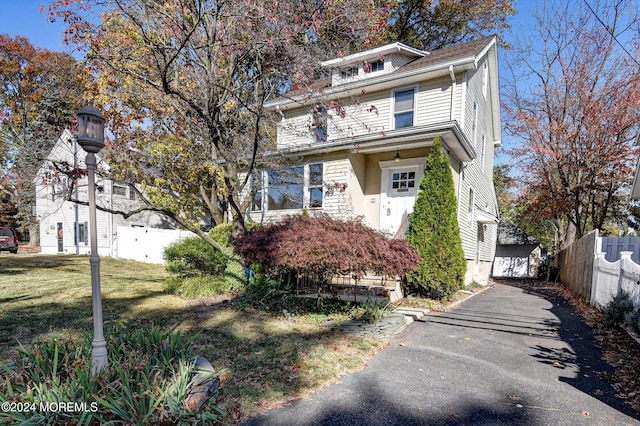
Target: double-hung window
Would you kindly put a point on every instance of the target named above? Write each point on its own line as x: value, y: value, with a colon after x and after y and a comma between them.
x: 403, y: 108
x: 286, y: 188
x: 314, y: 185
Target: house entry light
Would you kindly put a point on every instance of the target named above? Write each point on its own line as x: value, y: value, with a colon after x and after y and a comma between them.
x: 91, y: 139
x: 397, y: 157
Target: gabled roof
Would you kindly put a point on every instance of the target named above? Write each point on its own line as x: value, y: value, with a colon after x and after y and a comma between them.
x: 510, y: 234
x: 375, y: 53
x: 438, y: 63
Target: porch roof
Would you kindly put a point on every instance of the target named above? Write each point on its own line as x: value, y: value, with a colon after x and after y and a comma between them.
x: 453, y: 140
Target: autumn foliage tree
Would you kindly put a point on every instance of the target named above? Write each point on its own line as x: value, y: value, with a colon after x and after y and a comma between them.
x: 39, y: 94
x: 183, y: 85
x: 576, y: 117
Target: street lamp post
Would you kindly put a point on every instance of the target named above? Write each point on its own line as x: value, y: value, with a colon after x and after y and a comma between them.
x: 91, y: 139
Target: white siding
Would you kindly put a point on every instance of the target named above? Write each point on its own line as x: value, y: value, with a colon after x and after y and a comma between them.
x: 434, y: 103
x: 473, y: 176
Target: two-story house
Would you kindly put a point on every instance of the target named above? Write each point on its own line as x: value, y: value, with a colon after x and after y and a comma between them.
x: 358, y: 139
x: 64, y: 225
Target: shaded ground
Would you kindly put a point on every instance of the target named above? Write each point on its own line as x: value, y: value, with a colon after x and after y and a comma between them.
x: 512, y: 355
x: 619, y: 349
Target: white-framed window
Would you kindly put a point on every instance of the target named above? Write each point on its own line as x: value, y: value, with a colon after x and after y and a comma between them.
x: 404, y: 108
x: 319, y: 123
x: 119, y: 190
x: 403, y: 181
x: 81, y: 233
x: 349, y: 72
x: 315, y: 190
x: 374, y: 66
x: 294, y: 188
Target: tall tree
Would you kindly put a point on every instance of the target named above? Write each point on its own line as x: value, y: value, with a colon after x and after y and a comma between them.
x: 431, y: 24
x: 433, y: 230
x: 183, y: 84
x: 39, y: 91
x: 574, y: 107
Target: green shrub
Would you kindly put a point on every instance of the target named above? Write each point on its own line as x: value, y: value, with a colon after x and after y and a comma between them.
x: 434, y: 233
x: 614, y: 312
x: 371, y: 311
x: 222, y: 233
x: 194, y: 256
x: 149, y: 374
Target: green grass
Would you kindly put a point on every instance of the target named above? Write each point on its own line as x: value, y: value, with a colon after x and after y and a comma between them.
x: 265, y: 360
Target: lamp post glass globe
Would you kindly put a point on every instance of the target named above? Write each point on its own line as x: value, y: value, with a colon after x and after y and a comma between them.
x: 90, y: 129
x: 91, y: 139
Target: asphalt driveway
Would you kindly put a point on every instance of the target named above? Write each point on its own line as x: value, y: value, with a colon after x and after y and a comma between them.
x: 507, y: 356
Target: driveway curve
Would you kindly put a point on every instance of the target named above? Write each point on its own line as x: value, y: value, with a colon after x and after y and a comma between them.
x: 507, y: 356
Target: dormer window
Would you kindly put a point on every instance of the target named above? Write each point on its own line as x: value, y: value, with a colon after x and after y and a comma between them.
x: 348, y: 72
x: 375, y: 66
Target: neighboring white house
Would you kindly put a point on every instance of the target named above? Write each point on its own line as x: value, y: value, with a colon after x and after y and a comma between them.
x: 63, y: 224
x: 361, y: 137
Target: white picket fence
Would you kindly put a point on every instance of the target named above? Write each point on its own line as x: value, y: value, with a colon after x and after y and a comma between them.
x: 612, y: 278
x: 599, y: 268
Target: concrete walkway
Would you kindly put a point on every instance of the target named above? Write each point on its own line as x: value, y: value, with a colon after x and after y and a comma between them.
x: 507, y: 356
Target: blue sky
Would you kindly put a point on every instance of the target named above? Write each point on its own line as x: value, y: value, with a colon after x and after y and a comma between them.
x: 22, y: 17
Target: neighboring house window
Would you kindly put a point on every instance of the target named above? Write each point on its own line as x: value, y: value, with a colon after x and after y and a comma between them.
x: 82, y: 233
x: 403, y: 108
x: 471, y: 205
x: 286, y: 188
x: 120, y: 190
x: 319, y: 123
x: 314, y: 187
x: 132, y: 194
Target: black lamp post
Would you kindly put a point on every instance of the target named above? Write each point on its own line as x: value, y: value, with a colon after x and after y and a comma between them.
x: 91, y: 139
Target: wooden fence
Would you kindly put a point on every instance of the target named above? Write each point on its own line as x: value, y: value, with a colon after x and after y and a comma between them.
x: 576, y: 264
x: 598, y: 269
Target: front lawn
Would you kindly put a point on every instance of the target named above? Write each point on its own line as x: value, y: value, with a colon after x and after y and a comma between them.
x: 265, y: 360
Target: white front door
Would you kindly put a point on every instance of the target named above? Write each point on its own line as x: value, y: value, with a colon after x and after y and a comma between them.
x: 399, y: 187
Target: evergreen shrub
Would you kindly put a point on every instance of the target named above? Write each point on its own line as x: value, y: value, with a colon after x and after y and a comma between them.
x: 195, y: 257
x: 434, y: 233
